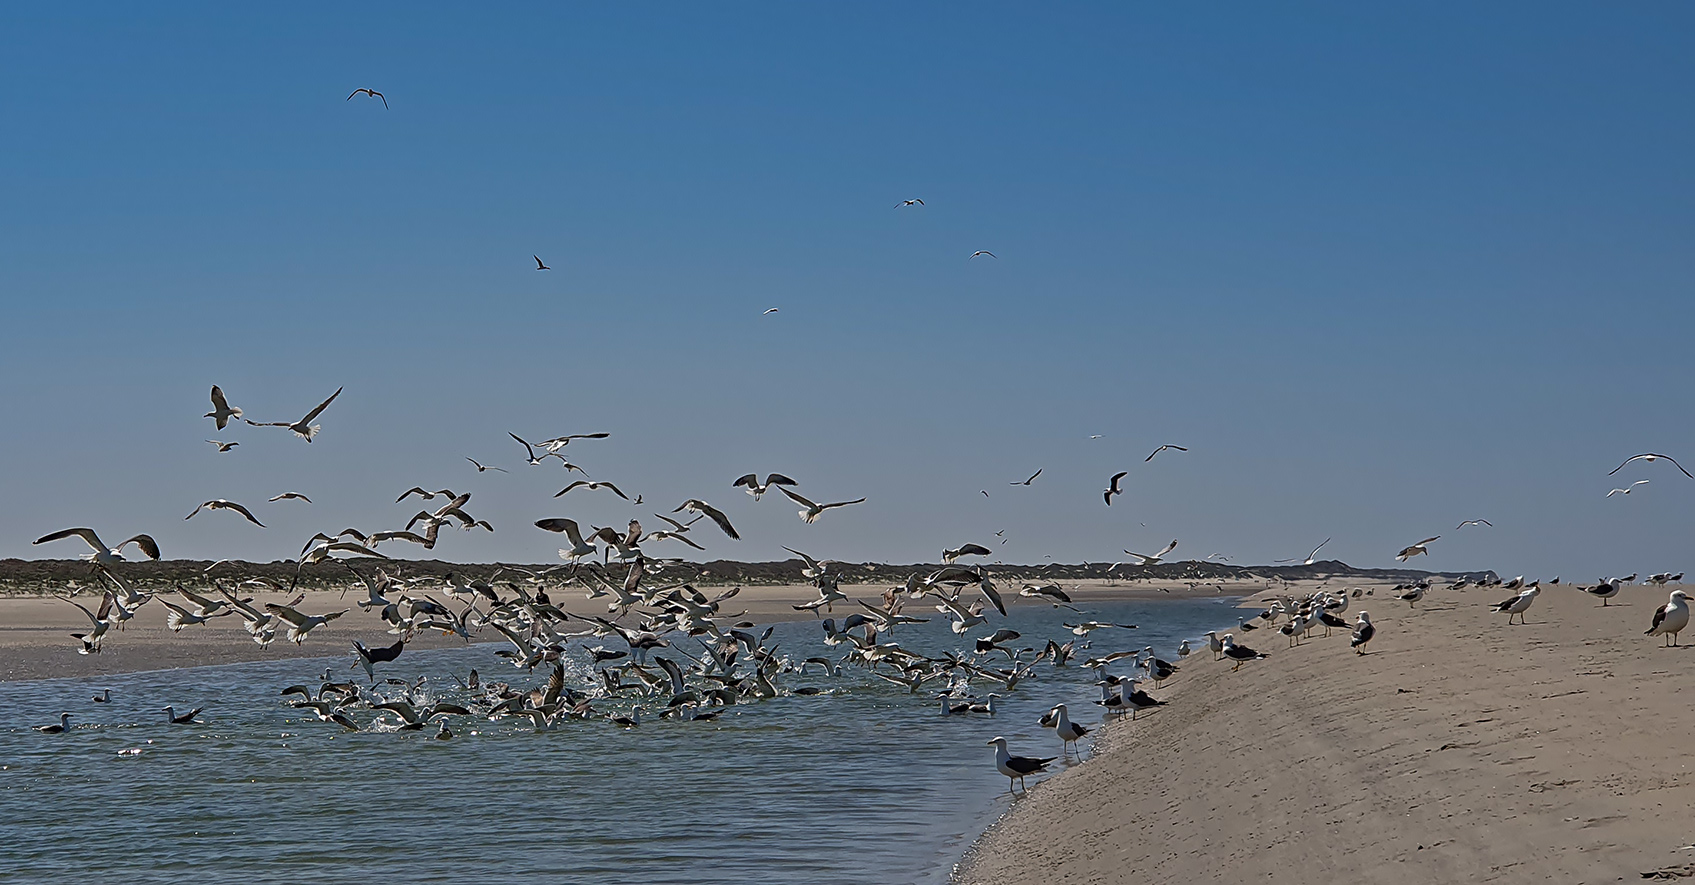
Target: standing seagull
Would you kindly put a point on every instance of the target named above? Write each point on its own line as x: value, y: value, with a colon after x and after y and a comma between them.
x: 1414, y: 550
x: 221, y: 504
x: 1239, y: 653
x: 1112, y: 486
x: 813, y: 511
x: 1651, y: 457
x: 1016, y: 767
x: 1671, y: 618
x: 1519, y: 604
x: 1067, y: 730
x: 1607, y: 589
x: 1411, y: 597
x: 102, y: 554
x: 371, y: 92
x: 304, y: 428
x: 1362, y: 634
x: 222, y: 411
x: 1030, y: 480
x: 1161, y: 449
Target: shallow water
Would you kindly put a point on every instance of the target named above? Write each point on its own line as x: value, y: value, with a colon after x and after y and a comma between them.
x: 867, y: 783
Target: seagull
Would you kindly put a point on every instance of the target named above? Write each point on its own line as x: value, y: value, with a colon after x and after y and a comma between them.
x: 291, y: 496
x: 592, y: 486
x: 1474, y: 522
x: 1067, y: 730
x: 300, y: 624
x: 1607, y: 589
x: 1311, y: 557
x: 579, y: 547
x: 754, y: 488
x: 304, y: 428
x: 1519, y: 604
x: 1411, y: 597
x: 369, y: 657
x: 1414, y: 550
x: 1628, y: 490
x: 1671, y: 618
x: 185, y: 719
x: 1016, y: 767
x: 769, y: 311
x: 63, y: 726
x: 1650, y: 457
x: 428, y: 496
x: 480, y: 469
x: 102, y: 554
x: 1239, y: 653
x: 539, y: 265
x: 965, y: 550
x: 1363, y: 631
x: 1215, y: 644
x: 1134, y: 698
x: 222, y: 411
x: 1112, y: 487
x: 1163, y: 448
x: 983, y: 252
x: 1154, y: 559
x: 104, y: 697
x: 371, y: 92
x: 1028, y: 481
x: 909, y: 203
x: 221, y: 504
x: 813, y: 511
x: 695, y: 505
x: 223, y: 446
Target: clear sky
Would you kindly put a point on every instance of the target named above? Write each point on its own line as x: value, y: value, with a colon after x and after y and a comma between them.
x: 1382, y: 270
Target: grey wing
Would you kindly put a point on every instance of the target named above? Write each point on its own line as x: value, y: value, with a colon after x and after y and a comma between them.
x: 321, y: 407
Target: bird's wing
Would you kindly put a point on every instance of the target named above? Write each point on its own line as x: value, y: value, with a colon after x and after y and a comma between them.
x: 750, y: 481
x: 148, y: 546
x: 321, y: 407
x: 1116, y: 477
x: 1426, y: 541
x: 562, y: 491
x: 695, y: 505
x: 353, y: 93
x: 615, y: 490
x: 1318, y: 548
x: 1678, y: 466
x: 798, y: 499
x: 218, y: 399
x: 197, y: 510
x: 778, y: 479
x: 1168, y: 548
x: 527, y: 449
x: 85, y: 534
x: 244, y: 512
x: 841, y: 504
x: 287, y: 613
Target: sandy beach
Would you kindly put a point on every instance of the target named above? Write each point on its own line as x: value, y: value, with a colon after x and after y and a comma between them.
x: 36, y: 643
x: 1458, y: 750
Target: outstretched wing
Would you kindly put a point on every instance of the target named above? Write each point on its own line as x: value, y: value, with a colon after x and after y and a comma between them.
x: 798, y: 499
x: 321, y: 407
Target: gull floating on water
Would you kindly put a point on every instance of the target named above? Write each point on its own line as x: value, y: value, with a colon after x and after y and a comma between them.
x: 185, y: 719
x: 63, y: 726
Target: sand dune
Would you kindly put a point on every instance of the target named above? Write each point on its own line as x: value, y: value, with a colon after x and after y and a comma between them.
x: 1461, y: 750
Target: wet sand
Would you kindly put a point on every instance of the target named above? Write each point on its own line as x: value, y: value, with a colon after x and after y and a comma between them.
x: 1458, y: 750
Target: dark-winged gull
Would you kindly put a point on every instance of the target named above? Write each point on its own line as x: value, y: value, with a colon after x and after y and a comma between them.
x: 1016, y: 767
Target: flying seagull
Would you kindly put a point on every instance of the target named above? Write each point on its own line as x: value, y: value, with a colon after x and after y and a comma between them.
x: 221, y: 504
x: 1414, y: 550
x: 223, y: 446
x: 539, y: 265
x: 909, y: 203
x: 222, y: 411
x: 965, y: 550
x: 1651, y: 456
x: 1626, y: 491
x: 1163, y: 448
x: 1112, y: 487
x: 769, y: 311
x: 291, y: 496
x: 983, y: 252
x: 481, y: 468
x: 813, y: 511
x: 754, y: 488
x: 1311, y: 557
x: 1028, y: 481
x: 304, y: 428
x: 1154, y: 559
x: 695, y: 505
x: 1474, y: 522
x: 371, y: 92
x: 593, y: 486
x: 102, y: 554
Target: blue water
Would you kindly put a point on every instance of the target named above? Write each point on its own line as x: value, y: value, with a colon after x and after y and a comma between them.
x: 867, y: 783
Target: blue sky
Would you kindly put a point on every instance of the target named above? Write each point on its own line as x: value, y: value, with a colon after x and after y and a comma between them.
x: 1382, y: 270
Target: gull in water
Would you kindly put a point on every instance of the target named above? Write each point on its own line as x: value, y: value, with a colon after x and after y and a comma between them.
x: 1161, y: 449
x: 1311, y: 557
x: 1518, y: 605
x: 63, y: 726
x: 370, y: 92
x: 1409, y: 552
x: 1671, y: 618
x: 813, y: 511
x: 221, y: 504
x: 222, y: 411
x: 480, y: 468
x: 291, y: 496
x: 1028, y: 481
x: 1363, y: 631
x: 304, y: 428
x: 1154, y: 559
x: 757, y: 490
x: 102, y: 554
x: 1016, y: 767
x: 223, y: 446
x: 104, y: 697
x: 185, y: 719
x: 1067, y: 730
x: 1628, y: 489
x: 1112, y: 487
x: 1651, y: 457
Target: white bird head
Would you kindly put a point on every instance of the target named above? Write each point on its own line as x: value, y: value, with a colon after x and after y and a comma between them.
x: 997, y: 742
